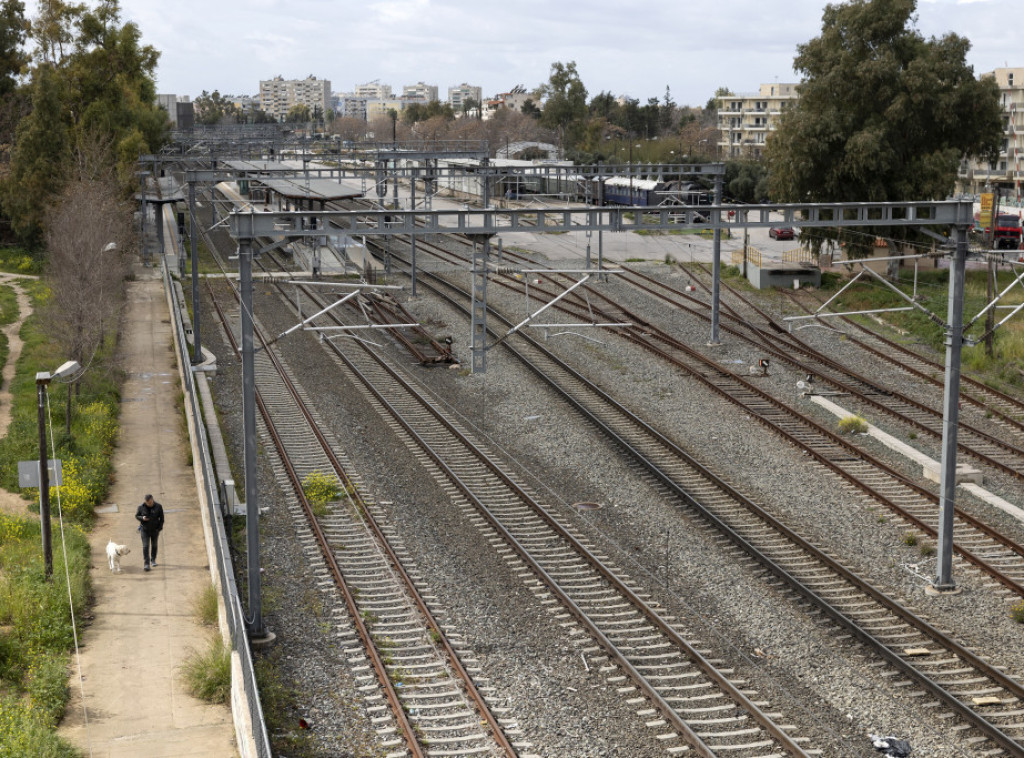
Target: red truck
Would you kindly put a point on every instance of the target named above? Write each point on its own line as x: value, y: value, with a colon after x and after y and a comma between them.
x: 1007, y: 232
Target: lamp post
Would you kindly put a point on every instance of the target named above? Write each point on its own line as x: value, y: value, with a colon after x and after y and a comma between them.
x: 43, y: 379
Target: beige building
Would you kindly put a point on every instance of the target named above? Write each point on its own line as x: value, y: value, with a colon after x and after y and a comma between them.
x: 426, y: 93
x: 457, y: 96
x: 1008, y: 170
x: 279, y: 95
x: 745, y: 120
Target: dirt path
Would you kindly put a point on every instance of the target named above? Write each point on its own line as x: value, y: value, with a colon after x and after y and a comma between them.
x: 12, y: 502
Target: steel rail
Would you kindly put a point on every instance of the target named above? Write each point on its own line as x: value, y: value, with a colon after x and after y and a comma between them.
x: 706, y: 666
x: 411, y: 739
x: 479, y: 702
x: 973, y: 717
x: 484, y: 712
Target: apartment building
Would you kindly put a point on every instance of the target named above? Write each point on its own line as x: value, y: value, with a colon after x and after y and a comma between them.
x: 374, y: 91
x: 179, y: 110
x: 1007, y: 173
x: 745, y: 120
x: 279, y: 95
x: 420, y: 92
x: 457, y: 96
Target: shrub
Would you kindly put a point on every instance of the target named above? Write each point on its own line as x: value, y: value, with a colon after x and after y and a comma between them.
x: 208, y: 673
x: 853, y: 425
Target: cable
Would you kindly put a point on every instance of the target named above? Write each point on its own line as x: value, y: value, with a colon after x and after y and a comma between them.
x: 67, y: 576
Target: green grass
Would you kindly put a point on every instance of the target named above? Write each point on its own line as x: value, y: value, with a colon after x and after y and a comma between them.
x: 35, y: 618
x: 17, y: 260
x: 207, y: 673
x: 8, y: 305
x: 1002, y: 370
x: 36, y: 633
x: 86, y: 451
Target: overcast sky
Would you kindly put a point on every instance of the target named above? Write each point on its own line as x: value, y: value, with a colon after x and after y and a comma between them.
x: 626, y: 48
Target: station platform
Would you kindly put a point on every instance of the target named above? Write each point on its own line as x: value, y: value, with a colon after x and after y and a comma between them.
x: 135, y: 702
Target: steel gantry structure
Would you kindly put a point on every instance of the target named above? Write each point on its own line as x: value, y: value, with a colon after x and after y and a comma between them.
x: 248, y: 227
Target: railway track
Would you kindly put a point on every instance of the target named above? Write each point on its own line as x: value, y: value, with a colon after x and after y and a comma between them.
x: 676, y: 688
x: 979, y: 544
x: 971, y: 687
x: 433, y: 706
x: 770, y: 337
x: 1000, y: 408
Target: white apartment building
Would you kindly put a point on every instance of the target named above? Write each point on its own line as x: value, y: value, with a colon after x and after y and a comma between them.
x: 279, y: 95
x: 1007, y: 172
x: 373, y: 91
x: 426, y: 93
x: 457, y: 96
x: 745, y: 120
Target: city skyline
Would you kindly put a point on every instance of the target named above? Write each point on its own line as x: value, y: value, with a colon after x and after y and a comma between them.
x: 230, y: 47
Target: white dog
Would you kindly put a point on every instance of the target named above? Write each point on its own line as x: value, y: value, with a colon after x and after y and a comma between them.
x: 114, y: 553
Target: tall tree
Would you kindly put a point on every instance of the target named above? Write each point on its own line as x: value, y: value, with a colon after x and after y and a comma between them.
x: 565, y: 108
x: 883, y: 113
x: 93, y: 81
x: 13, y: 28
x: 42, y: 148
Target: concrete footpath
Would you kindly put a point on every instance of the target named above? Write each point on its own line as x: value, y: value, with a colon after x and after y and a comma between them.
x: 135, y: 703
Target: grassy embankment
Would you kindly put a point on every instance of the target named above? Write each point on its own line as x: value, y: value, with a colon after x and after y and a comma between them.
x: 1004, y: 370
x: 36, y: 637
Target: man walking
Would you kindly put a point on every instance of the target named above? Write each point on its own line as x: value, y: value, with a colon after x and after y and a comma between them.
x: 150, y: 516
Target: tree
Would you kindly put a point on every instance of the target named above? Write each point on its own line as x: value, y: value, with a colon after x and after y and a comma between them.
x: 13, y: 28
x: 883, y: 114
x: 88, y: 240
x: 297, y: 114
x: 94, y: 82
x: 530, y: 109
x: 565, y: 108
x: 41, y: 150
x: 213, y: 108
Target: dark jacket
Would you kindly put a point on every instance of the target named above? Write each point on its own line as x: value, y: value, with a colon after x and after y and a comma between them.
x: 155, y: 522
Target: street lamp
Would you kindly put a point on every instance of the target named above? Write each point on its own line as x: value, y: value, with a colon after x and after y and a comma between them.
x: 43, y: 379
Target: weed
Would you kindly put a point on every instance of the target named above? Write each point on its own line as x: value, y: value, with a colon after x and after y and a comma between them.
x: 909, y: 539
x: 321, y: 488
x: 1017, y: 612
x: 882, y: 519
x: 927, y: 549
x: 913, y: 435
x: 207, y: 673
x: 853, y: 425
x: 204, y: 606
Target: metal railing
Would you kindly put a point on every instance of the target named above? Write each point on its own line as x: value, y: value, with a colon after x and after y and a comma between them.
x: 237, y: 629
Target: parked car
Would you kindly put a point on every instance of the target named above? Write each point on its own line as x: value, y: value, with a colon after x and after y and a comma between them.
x: 781, y: 232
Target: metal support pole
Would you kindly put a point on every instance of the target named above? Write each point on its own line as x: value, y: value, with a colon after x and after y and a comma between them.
x: 951, y: 414
x: 197, y: 343
x: 43, y: 379
x: 158, y: 219
x: 412, y: 235
x: 478, y: 308
x: 142, y: 241
x: 252, y: 510
x: 716, y: 265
